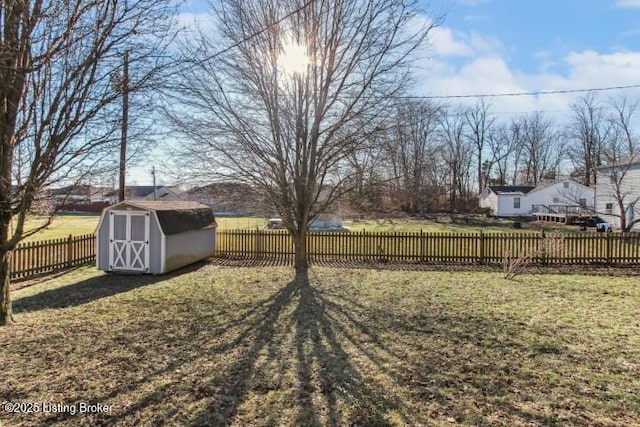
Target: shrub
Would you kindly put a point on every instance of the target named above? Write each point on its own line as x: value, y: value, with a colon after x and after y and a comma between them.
x: 514, y: 263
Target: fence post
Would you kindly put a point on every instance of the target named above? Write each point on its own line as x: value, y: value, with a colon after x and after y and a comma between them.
x: 258, y: 243
x: 608, y: 251
x: 70, y: 251
x: 481, y: 249
x: 421, y: 245
x: 543, y: 248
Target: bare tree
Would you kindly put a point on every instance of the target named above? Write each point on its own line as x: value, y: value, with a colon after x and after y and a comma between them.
x: 502, y: 144
x: 367, y: 182
x: 621, y: 154
x: 411, y: 151
x: 456, y: 153
x: 288, y: 130
x: 538, y: 147
x: 516, y: 132
x: 479, y: 124
x: 56, y: 62
x: 588, y: 130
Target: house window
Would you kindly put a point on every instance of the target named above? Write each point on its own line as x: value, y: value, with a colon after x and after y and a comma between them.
x: 612, y: 178
x: 516, y: 203
x: 608, y: 208
x: 583, y: 202
x: 565, y: 184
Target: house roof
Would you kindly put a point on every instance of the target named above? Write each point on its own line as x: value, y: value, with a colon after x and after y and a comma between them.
x: 167, y: 194
x: 78, y: 190
x: 629, y: 162
x: 218, y: 187
x: 511, y: 189
x: 176, y: 217
x: 142, y: 191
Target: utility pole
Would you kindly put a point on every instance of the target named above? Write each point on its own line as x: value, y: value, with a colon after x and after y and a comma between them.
x: 125, y: 124
x: 153, y: 174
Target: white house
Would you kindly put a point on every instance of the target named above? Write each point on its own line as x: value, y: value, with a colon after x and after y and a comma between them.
x: 522, y: 200
x: 505, y: 200
x: 618, y: 193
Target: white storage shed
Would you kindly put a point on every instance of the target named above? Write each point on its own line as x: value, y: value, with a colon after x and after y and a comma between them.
x: 154, y: 237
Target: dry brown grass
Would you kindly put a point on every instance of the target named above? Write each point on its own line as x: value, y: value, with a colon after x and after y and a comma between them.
x: 246, y: 346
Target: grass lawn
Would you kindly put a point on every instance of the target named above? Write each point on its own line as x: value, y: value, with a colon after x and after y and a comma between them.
x: 246, y: 346
x: 240, y: 223
x: 62, y: 226
x: 474, y: 225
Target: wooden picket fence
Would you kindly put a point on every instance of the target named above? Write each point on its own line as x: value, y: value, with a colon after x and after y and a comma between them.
x: 611, y: 249
x: 34, y: 258
x: 435, y: 248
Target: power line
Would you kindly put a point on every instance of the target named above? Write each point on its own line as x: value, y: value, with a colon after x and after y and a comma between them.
x: 542, y: 92
x: 487, y: 95
x: 256, y: 34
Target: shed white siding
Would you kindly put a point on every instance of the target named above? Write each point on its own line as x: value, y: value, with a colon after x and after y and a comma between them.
x: 605, y: 193
x: 189, y: 247
x: 175, y: 234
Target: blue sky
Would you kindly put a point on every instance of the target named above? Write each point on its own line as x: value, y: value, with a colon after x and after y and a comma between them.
x: 504, y: 46
x: 513, y: 46
x: 532, y: 31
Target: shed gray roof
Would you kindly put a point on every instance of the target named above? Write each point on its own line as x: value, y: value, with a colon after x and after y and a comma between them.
x: 176, y: 217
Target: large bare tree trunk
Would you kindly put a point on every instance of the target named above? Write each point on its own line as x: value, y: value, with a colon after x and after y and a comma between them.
x: 301, y: 263
x: 6, y: 315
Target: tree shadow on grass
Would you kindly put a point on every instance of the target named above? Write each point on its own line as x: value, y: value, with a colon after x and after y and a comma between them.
x: 328, y: 381
x: 346, y: 362
x: 333, y: 340
x: 257, y: 329
x: 341, y: 383
x: 93, y: 289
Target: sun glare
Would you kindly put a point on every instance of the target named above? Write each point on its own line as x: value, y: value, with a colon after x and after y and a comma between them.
x: 293, y: 59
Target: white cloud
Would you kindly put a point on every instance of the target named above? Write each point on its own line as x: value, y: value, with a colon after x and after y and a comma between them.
x: 546, y: 60
x: 490, y: 73
x: 443, y: 42
x: 485, y: 45
x: 481, y: 76
x: 597, y: 69
x: 628, y: 3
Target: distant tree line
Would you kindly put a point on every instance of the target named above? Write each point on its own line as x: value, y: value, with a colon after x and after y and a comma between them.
x: 437, y: 157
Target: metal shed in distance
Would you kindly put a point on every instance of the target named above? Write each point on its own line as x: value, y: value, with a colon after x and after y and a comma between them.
x: 154, y: 237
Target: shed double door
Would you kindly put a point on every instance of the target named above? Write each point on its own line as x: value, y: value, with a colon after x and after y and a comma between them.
x: 129, y: 240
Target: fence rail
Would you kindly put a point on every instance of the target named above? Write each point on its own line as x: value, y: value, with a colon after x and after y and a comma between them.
x: 436, y: 248
x: 33, y: 258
